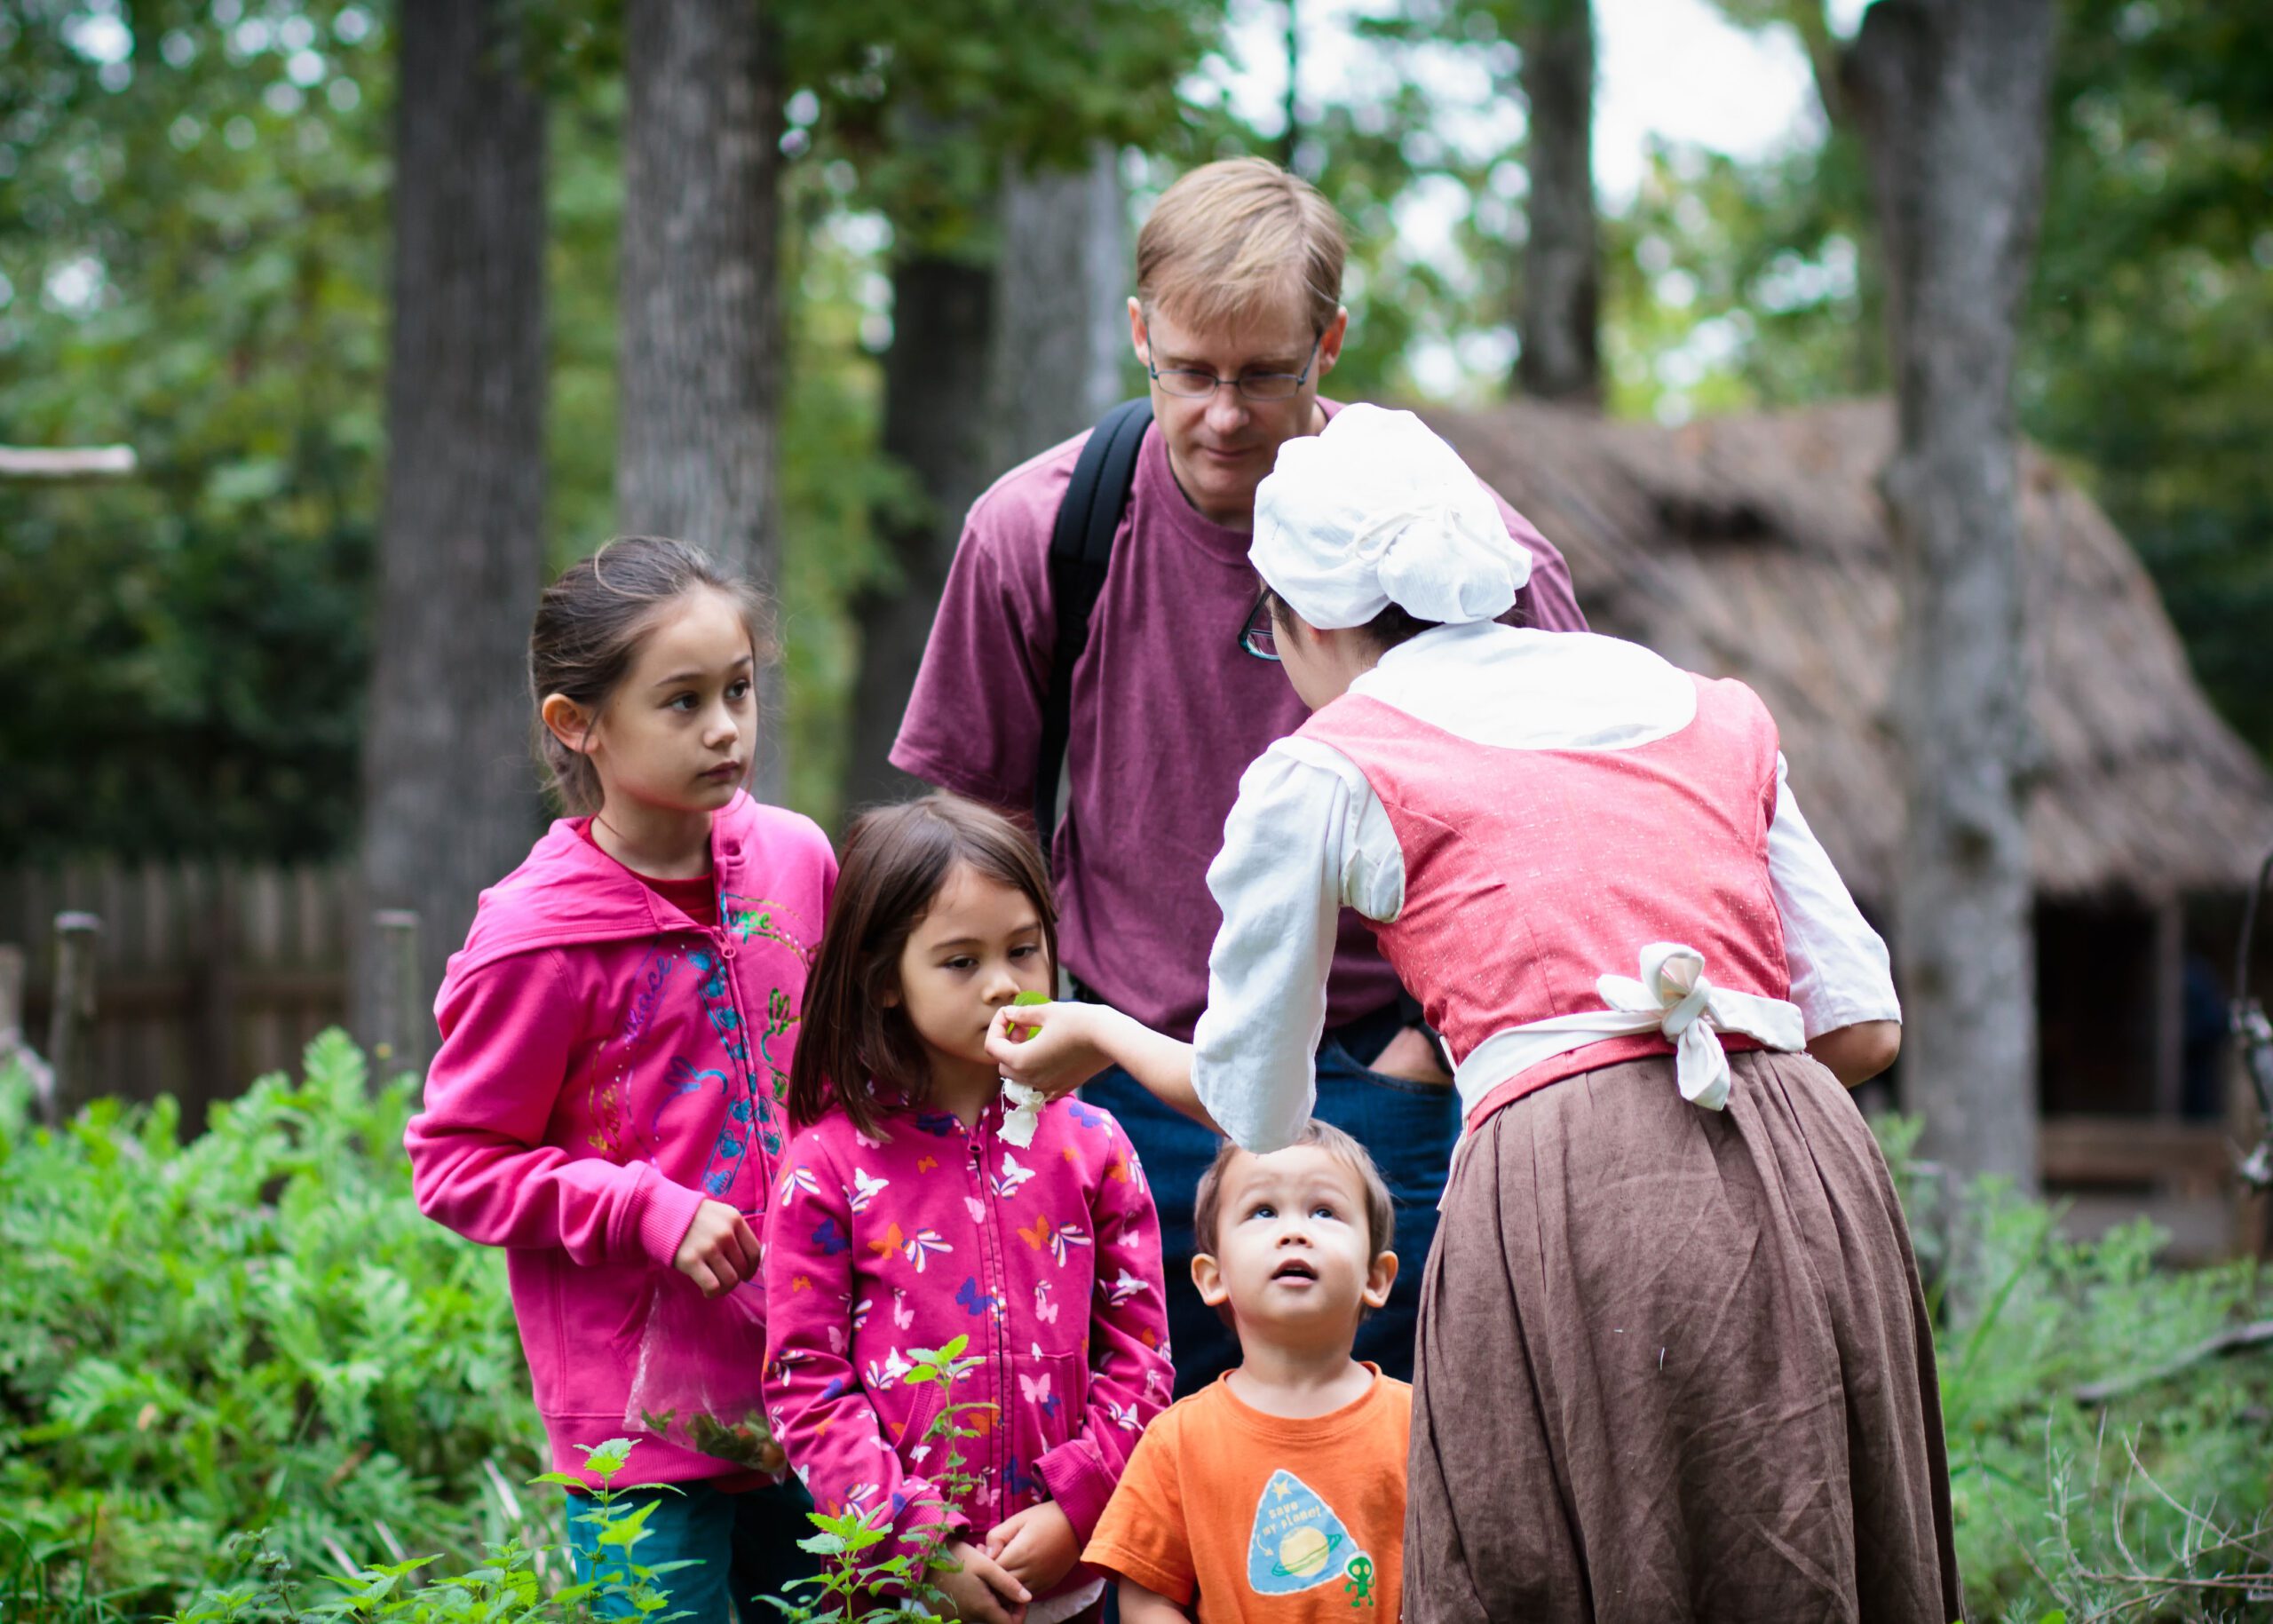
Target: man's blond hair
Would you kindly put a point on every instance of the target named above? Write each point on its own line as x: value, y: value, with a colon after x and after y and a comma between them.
x: 1236, y: 239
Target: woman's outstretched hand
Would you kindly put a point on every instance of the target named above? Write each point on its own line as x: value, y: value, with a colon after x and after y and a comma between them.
x: 1072, y: 1042
x: 1053, y: 1047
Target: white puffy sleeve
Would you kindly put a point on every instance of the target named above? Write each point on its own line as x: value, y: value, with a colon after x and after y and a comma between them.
x: 1839, y: 973
x: 1305, y: 838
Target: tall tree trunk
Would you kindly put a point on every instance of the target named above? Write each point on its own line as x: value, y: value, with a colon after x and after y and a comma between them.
x: 449, y: 792
x: 1063, y: 290
x: 1044, y: 329
x: 699, y: 376
x: 1562, y: 252
x: 1950, y: 95
x: 1291, y: 138
x: 943, y: 342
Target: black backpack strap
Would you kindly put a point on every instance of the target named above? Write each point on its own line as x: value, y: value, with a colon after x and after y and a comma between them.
x: 1080, y: 552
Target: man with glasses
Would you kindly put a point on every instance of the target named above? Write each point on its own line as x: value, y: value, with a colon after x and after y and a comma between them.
x: 1237, y: 319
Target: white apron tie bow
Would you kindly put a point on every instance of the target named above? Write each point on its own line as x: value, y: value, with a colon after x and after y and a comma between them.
x: 1673, y: 997
x: 1690, y: 1010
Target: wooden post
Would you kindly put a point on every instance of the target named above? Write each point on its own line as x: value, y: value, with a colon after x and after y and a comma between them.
x: 2253, y: 1213
x: 2170, y: 1008
x: 213, y: 993
x: 71, y: 1016
x: 398, y: 1038
x: 11, y: 998
x: 13, y: 1050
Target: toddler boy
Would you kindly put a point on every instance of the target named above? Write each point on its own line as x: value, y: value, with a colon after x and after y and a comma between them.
x: 1278, y: 1492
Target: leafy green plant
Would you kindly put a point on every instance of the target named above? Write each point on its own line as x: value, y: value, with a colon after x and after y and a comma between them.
x: 2102, y: 1465
x: 253, y: 1329
x: 505, y: 1589
x: 45, y: 1575
x: 900, y: 1589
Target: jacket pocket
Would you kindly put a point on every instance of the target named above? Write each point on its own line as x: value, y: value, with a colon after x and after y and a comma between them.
x: 908, y: 1414
x: 1046, y: 1402
x: 603, y: 1312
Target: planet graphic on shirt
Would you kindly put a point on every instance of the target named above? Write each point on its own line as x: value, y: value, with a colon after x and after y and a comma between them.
x: 1304, y: 1552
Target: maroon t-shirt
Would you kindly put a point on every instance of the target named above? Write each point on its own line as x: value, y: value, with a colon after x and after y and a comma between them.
x: 696, y: 897
x: 1167, y: 711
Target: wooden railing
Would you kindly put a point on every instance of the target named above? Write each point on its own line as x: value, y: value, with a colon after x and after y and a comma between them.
x: 181, y: 978
x: 2110, y: 1170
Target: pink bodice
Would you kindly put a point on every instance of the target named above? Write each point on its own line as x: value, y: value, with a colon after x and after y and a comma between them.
x: 1529, y: 873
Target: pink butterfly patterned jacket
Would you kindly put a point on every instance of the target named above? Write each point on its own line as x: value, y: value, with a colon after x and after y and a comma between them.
x: 1048, y: 1258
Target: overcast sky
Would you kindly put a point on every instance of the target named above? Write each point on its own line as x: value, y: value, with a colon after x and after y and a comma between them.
x: 1669, y: 70
x: 1674, y: 68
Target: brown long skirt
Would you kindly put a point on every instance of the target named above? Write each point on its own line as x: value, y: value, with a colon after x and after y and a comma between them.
x: 1674, y: 1365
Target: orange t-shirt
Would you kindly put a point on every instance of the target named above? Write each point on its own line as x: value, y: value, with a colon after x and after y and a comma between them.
x: 1261, y: 1516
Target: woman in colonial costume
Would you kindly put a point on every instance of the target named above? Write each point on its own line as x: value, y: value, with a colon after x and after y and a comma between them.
x: 1674, y: 1361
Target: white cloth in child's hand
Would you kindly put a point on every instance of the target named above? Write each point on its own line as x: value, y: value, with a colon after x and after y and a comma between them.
x: 1023, y: 1114
x: 1050, y: 1609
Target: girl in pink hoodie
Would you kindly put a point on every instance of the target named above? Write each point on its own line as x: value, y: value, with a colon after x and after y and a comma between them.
x: 913, y: 1209
x: 617, y: 1035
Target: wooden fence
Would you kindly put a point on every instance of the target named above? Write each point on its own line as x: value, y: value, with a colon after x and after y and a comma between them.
x: 206, y: 976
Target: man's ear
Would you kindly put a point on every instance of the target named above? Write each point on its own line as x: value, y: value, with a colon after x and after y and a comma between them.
x: 1208, y: 1280
x: 1329, y: 343
x: 567, y: 721
x: 1379, y: 1279
x: 1139, y: 337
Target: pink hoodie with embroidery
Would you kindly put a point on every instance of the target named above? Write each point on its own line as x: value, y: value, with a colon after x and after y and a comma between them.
x: 1046, y: 1258
x: 606, y: 1064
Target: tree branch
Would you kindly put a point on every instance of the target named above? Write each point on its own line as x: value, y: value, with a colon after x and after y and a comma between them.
x: 2231, y: 1341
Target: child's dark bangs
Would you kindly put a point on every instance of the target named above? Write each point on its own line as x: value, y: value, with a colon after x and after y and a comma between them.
x: 1001, y: 850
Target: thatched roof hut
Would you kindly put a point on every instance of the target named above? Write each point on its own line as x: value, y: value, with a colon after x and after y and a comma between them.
x: 1757, y: 547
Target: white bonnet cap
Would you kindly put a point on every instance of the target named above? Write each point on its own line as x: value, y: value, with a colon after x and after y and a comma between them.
x: 1379, y: 510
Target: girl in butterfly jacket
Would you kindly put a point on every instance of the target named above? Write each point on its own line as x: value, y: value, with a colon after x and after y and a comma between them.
x: 907, y: 1216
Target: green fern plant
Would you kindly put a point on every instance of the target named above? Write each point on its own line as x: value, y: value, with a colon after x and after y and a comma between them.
x: 251, y: 1328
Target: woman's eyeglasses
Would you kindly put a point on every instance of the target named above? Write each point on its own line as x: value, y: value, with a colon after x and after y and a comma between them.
x: 1257, y: 637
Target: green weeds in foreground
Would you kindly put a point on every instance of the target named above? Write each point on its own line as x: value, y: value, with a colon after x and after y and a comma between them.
x: 506, y: 1589
x: 2148, y: 1502
x: 254, y: 1328
x: 857, y: 1585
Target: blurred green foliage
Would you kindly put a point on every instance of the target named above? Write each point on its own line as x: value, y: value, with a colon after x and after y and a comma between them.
x: 194, y: 236
x: 2149, y: 358
x: 923, y: 104
x: 2144, y: 364
x: 2061, y: 1498
x: 191, y: 261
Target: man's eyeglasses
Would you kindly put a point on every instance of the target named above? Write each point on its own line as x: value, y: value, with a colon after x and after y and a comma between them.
x: 1257, y: 637
x: 1191, y: 384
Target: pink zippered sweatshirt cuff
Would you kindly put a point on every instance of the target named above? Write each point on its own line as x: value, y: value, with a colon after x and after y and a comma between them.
x: 1078, y: 1483
x: 663, y: 1211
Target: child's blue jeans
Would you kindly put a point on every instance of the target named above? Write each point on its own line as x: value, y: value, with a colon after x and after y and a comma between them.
x: 745, y: 1547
